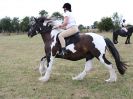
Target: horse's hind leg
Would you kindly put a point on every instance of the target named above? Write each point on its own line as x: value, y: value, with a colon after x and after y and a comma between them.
x: 115, y: 38
x: 113, y: 76
x: 87, y: 68
x: 127, y: 40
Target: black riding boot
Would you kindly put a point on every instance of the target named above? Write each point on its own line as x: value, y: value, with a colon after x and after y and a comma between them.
x: 63, y: 51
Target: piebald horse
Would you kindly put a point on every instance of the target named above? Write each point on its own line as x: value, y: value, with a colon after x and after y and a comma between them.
x: 79, y: 46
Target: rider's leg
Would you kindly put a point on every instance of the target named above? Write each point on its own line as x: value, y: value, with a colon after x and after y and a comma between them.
x: 125, y: 29
x: 66, y: 33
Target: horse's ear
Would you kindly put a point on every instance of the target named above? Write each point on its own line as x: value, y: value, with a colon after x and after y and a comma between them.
x: 35, y: 19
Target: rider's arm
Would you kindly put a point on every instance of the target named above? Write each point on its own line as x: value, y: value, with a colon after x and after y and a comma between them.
x: 123, y: 25
x: 64, y: 24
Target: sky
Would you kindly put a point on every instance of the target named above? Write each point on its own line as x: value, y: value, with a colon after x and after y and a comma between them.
x: 84, y: 11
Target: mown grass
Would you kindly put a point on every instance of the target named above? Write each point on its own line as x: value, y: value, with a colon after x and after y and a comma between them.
x: 19, y: 56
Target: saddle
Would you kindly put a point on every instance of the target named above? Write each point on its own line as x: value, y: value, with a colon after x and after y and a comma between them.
x: 71, y: 39
x: 123, y: 32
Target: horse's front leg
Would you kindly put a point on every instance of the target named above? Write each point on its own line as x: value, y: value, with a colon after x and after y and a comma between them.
x: 46, y: 77
x: 129, y: 40
x: 43, y: 66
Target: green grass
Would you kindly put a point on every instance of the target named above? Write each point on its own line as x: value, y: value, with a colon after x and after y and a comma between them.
x: 19, y: 56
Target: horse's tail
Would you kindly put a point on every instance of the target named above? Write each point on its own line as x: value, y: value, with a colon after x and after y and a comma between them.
x: 121, y: 66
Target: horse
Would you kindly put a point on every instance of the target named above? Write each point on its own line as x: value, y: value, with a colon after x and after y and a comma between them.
x: 122, y: 33
x: 79, y: 46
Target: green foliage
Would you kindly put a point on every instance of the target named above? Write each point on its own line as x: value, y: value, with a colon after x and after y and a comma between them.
x: 95, y: 25
x: 106, y: 24
x: 6, y: 24
x: 15, y: 24
x: 0, y: 27
x: 24, y: 25
x: 57, y: 15
x: 43, y: 13
x: 81, y: 27
x: 116, y: 20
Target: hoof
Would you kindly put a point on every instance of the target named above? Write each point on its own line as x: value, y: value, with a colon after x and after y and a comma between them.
x: 43, y: 79
x: 77, y: 78
x: 110, y: 80
x: 42, y: 73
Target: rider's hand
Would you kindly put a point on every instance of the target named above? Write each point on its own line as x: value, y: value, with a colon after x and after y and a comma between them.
x: 60, y: 26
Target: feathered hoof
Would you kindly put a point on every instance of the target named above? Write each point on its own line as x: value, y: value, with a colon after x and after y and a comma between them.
x: 77, y: 78
x: 110, y: 80
x: 43, y: 79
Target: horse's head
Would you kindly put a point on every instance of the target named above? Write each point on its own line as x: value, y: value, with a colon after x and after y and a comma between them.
x: 40, y: 25
x: 130, y: 29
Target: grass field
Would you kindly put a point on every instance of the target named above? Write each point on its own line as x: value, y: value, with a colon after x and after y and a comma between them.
x: 19, y: 56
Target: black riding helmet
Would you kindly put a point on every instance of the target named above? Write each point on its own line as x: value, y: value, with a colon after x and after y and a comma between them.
x: 124, y: 20
x: 67, y: 6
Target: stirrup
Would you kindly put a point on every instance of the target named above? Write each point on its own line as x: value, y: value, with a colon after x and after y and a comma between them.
x: 63, y: 52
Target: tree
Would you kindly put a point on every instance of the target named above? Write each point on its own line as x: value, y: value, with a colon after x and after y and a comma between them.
x: 0, y: 27
x: 24, y: 25
x: 15, y: 24
x: 81, y: 27
x: 106, y: 24
x: 116, y: 20
x: 6, y: 24
x: 57, y: 15
x: 95, y: 25
x: 43, y: 13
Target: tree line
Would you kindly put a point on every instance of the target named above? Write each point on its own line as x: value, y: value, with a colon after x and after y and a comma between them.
x: 15, y: 25
x: 109, y: 23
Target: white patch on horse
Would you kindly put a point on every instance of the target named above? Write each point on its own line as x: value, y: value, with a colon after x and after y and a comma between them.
x: 43, y: 67
x: 71, y: 48
x: 44, y: 23
x: 54, y: 34
x: 37, y: 32
x: 99, y: 42
x: 48, y: 71
x: 88, y: 67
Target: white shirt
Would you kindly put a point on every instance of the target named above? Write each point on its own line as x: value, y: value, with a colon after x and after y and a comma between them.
x: 71, y: 20
x: 123, y: 24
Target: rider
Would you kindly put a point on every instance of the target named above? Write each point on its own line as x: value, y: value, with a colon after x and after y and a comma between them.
x: 124, y: 25
x: 70, y: 27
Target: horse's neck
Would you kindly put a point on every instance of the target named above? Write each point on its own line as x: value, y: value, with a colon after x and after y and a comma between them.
x: 47, y: 37
x: 55, y: 32
x: 130, y: 29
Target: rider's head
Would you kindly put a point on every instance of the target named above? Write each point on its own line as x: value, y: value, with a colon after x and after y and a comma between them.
x: 67, y: 6
x: 124, y: 20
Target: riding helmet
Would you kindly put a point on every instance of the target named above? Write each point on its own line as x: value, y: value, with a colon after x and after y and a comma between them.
x: 124, y: 20
x: 67, y: 6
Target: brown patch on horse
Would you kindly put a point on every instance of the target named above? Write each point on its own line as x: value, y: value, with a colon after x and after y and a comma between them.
x: 84, y: 47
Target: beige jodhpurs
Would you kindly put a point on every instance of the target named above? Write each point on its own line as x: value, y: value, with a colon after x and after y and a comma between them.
x: 66, y: 33
x: 125, y: 29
